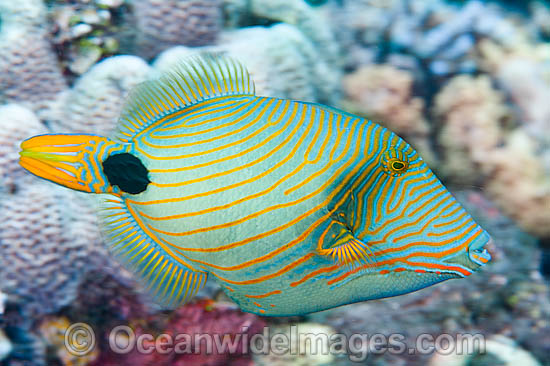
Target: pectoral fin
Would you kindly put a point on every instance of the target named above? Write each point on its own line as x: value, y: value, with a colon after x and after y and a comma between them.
x: 339, y: 243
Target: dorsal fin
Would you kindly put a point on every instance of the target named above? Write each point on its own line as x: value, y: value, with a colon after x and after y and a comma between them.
x: 193, y: 80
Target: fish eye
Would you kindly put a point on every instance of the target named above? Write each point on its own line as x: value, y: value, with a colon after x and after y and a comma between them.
x: 398, y: 165
x: 394, y: 162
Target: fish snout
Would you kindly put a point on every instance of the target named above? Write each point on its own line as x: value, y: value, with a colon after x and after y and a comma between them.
x: 68, y: 160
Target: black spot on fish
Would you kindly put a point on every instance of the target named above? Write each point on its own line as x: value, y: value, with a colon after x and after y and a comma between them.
x: 127, y: 172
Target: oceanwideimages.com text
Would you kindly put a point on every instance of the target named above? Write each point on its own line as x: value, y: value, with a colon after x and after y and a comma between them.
x: 80, y: 340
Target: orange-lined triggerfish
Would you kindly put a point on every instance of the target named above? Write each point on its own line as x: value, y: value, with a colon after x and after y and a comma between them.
x: 292, y: 207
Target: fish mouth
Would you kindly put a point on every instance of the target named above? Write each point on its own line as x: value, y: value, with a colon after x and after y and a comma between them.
x: 45, y: 157
x: 476, y: 251
x: 60, y: 159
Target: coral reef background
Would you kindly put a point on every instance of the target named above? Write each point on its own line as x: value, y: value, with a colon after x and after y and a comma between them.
x: 467, y: 83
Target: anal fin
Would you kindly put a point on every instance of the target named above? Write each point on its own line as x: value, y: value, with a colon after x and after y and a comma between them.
x: 169, y: 280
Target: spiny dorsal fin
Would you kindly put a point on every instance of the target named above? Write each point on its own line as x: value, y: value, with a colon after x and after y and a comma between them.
x: 193, y: 80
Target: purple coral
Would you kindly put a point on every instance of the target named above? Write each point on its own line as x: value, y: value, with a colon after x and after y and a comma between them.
x: 49, y: 239
x: 164, y: 23
x: 94, y: 102
x: 18, y: 123
x: 34, y: 77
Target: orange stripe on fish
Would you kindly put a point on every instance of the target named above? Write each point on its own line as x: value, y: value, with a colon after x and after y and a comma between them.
x: 301, y: 203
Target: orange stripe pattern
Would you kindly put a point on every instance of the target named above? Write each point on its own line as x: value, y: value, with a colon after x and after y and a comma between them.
x: 248, y: 189
x: 293, y: 207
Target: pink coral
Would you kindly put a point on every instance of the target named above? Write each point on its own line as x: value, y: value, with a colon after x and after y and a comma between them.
x: 519, y: 181
x: 482, y: 146
x: 196, y: 318
x: 471, y: 114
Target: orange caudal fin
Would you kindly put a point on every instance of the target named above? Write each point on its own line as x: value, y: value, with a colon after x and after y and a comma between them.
x: 73, y: 161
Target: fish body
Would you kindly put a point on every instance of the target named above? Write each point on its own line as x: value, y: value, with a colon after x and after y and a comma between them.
x: 292, y: 207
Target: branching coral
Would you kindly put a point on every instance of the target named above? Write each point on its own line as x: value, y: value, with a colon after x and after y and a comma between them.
x: 442, y: 38
x: 161, y: 24
x: 384, y: 94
